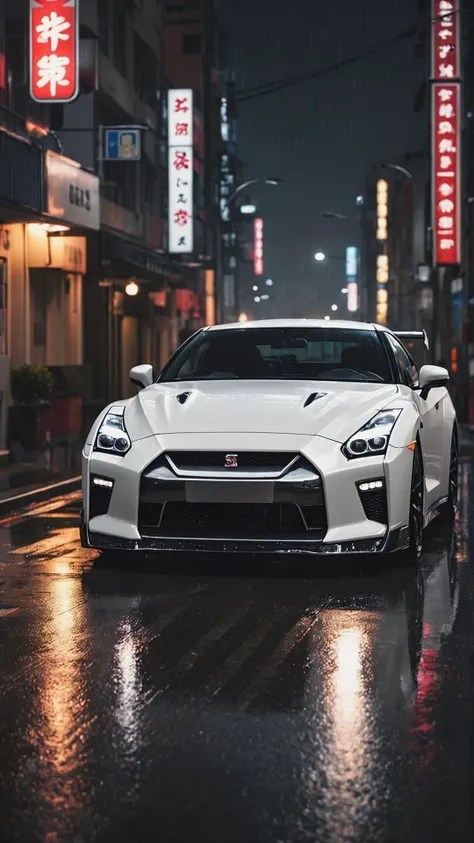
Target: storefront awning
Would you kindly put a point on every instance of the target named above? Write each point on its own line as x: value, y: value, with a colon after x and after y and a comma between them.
x: 122, y: 258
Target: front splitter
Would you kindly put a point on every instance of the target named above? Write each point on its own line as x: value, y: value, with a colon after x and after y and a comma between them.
x: 100, y: 541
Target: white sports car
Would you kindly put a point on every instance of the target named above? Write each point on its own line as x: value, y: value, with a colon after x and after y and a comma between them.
x: 281, y: 436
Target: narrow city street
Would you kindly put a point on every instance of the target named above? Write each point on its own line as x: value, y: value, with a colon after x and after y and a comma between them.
x: 230, y: 700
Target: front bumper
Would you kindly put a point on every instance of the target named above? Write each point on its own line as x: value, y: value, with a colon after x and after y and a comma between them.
x: 394, y: 541
x: 334, y: 517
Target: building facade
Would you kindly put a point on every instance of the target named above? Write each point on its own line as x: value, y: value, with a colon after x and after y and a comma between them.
x: 194, y: 51
x: 87, y: 282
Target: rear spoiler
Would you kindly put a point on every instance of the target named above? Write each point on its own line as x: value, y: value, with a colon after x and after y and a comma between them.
x: 408, y: 336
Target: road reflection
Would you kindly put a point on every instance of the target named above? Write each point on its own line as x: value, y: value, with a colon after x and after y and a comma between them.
x: 322, y: 691
x: 61, y: 725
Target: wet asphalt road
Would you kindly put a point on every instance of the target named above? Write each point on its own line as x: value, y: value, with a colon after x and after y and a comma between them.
x: 232, y: 701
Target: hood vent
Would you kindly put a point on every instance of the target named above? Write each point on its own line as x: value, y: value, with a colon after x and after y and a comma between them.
x: 183, y: 397
x: 313, y: 397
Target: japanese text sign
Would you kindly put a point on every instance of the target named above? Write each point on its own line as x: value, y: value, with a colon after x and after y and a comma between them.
x: 446, y: 163
x: 352, y: 261
x: 382, y: 209
x: 180, y: 171
x: 352, y: 297
x: 180, y: 221
x: 180, y: 117
x: 54, y: 50
x: 382, y: 293
x: 258, y: 247
x: 445, y: 47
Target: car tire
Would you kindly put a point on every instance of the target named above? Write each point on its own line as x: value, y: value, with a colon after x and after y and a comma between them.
x: 451, y: 506
x: 416, y: 517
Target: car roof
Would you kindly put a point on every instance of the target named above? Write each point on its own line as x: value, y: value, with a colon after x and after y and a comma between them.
x: 300, y: 323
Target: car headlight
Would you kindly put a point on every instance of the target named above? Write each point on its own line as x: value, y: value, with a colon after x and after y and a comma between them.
x: 112, y: 437
x: 373, y: 438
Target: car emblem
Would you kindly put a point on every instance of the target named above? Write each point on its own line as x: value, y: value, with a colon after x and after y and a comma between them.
x: 231, y: 461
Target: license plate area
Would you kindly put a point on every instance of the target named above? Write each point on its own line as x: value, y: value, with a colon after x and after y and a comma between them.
x: 229, y: 491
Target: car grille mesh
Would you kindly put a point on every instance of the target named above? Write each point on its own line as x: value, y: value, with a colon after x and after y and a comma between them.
x: 374, y: 503
x: 99, y: 501
x: 177, y: 518
x: 216, y: 460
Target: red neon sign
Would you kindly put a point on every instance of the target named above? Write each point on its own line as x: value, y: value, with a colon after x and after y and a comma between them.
x: 54, y: 50
x: 445, y: 45
x: 446, y: 161
x: 258, y: 246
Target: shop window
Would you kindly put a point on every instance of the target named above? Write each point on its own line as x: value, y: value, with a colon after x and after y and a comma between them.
x: 120, y: 184
x: 149, y: 186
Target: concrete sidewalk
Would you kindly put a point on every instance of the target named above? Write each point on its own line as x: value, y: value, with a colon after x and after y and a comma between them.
x: 22, y: 484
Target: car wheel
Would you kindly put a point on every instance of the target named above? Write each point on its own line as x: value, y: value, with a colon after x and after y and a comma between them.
x: 453, y: 489
x: 414, y: 551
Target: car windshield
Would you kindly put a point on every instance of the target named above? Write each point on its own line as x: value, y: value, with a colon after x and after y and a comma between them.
x: 324, y: 354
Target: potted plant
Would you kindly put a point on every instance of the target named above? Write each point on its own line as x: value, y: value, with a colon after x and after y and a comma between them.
x: 30, y: 417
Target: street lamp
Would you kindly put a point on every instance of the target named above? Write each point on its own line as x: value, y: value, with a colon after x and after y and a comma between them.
x: 272, y: 182
x: 334, y: 307
x: 321, y: 256
x: 132, y: 288
x: 332, y: 215
x: 327, y: 318
x: 400, y: 169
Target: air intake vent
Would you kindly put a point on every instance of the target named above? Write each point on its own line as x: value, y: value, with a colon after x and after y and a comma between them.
x: 183, y: 397
x: 311, y: 398
x: 99, y: 496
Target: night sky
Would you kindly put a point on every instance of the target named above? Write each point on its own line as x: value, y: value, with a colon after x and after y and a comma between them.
x: 322, y: 136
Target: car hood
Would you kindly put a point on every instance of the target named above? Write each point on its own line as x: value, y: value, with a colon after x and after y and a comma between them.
x: 333, y: 410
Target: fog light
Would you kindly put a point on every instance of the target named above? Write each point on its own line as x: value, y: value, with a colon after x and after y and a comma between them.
x: 101, y: 481
x: 371, y: 485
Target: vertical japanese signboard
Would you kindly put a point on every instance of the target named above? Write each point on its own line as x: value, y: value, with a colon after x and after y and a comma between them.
x: 382, y: 292
x: 54, y: 50
x: 445, y: 53
x: 382, y: 209
x: 352, y: 266
x: 258, y: 246
x: 446, y: 132
x: 180, y: 171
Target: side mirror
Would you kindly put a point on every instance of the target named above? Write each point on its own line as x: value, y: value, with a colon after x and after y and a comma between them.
x: 142, y: 376
x: 432, y: 377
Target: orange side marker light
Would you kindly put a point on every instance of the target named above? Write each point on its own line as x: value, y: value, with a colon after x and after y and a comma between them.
x: 411, y: 446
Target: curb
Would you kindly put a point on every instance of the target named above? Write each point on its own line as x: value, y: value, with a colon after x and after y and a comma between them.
x: 18, y: 502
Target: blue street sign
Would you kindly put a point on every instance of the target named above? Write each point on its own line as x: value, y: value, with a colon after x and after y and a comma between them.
x: 352, y: 259
x: 122, y: 144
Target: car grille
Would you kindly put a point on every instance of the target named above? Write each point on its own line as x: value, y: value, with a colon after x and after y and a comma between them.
x: 374, y: 503
x: 99, y: 500
x: 246, y: 461
x: 239, y: 521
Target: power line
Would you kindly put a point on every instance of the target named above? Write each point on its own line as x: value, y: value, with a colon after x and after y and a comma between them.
x: 296, y: 79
